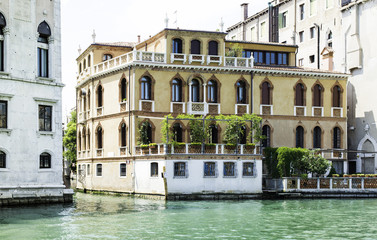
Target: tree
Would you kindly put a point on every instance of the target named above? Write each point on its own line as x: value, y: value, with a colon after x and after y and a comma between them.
x: 235, y: 50
x: 69, y: 141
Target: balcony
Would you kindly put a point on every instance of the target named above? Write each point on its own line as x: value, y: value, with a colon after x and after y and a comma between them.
x: 123, y: 106
x: 177, y: 107
x: 299, y: 110
x: 241, y: 109
x: 317, y: 111
x: 199, y: 108
x: 336, y: 112
x: 190, y: 149
x: 146, y: 105
x: 266, y: 109
x: 161, y: 58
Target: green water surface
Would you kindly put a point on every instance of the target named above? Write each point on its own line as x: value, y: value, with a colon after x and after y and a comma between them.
x: 111, y: 217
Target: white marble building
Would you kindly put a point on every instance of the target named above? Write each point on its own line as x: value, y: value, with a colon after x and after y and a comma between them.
x: 30, y: 103
x: 345, y: 44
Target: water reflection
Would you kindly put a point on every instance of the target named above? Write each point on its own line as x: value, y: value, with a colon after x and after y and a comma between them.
x: 110, y: 217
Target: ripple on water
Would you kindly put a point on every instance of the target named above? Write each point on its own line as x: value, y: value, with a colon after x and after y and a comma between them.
x: 110, y: 217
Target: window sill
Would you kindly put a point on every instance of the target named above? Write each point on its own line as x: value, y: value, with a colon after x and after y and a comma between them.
x: 180, y: 177
x: 154, y: 177
x: 45, y: 79
x: 4, y: 170
x: 229, y: 176
x: 4, y: 73
x: 45, y: 170
x: 122, y: 176
x: 209, y: 176
x: 6, y: 130
x: 45, y: 133
x: 249, y: 176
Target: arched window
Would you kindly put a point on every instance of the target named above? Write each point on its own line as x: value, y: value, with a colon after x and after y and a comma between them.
x: 3, y: 23
x: 195, y: 91
x: 123, y: 90
x: 213, y: 134
x: 84, y: 64
x: 213, y: 48
x: 299, y: 137
x: 336, y: 96
x: 336, y: 137
x: 123, y: 135
x: 299, y: 95
x: 84, y: 139
x: 266, y: 131
x: 317, y: 92
x: 195, y: 47
x: 80, y: 68
x: 177, y: 45
x: 242, y: 135
x: 176, y: 90
x: 266, y: 93
x: 146, y: 88
x: 88, y: 96
x: 241, y: 92
x: 317, y: 135
x: 99, y: 138
x: 88, y: 135
x: 107, y: 57
x: 89, y: 60
x: 79, y: 141
x: 45, y: 160
x: 3, y: 160
x: 99, y: 96
x: 149, y: 133
x: 177, y: 132
x: 44, y: 33
x: 212, y: 91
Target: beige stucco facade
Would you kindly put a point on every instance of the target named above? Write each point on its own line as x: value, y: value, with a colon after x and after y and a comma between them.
x: 155, y: 59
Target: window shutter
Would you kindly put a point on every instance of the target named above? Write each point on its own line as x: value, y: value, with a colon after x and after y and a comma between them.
x: 280, y: 20
x: 186, y: 170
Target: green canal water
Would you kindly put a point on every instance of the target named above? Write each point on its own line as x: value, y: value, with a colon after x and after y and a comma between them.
x: 111, y: 217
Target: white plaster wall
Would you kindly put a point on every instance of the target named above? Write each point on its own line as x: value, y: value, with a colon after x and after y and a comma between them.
x: 196, y: 183
x: 144, y: 183
x: 20, y: 86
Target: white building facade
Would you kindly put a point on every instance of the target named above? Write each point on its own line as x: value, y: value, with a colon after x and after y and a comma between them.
x: 30, y: 103
x: 331, y: 35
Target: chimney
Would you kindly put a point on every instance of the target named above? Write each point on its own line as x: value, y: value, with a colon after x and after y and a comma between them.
x: 138, y: 38
x: 245, y: 9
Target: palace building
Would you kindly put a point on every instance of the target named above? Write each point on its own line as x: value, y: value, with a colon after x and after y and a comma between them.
x: 30, y: 103
x: 126, y: 90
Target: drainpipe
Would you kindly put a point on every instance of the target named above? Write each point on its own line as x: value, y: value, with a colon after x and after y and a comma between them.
x: 318, y: 42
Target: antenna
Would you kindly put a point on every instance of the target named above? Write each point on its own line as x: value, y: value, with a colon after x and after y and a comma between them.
x: 176, y: 18
x: 94, y: 36
x: 222, y: 25
x: 167, y: 21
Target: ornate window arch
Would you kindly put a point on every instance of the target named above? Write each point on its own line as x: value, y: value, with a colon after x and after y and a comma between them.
x: 99, y: 136
x: 99, y: 95
x: 266, y: 92
x: 176, y: 90
x: 44, y: 32
x: 336, y: 95
x: 317, y: 91
x: 123, y: 89
x: 83, y: 147
x: 337, y: 137
x: 300, y: 137
x: 267, y: 132
x: 317, y: 137
x: 241, y: 92
x: 300, y: 94
x: 122, y: 134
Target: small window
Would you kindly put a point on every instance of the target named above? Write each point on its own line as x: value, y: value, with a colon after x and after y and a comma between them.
x: 176, y: 91
x: 45, y: 160
x: 43, y: 62
x: 317, y: 99
x: 253, y: 34
x: 123, y: 169
x: 146, y: 90
x: 88, y: 169
x: 266, y: 132
x: 248, y: 169
x: 45, y: 116
x: 89, y: 61
x: 212, y: 91
x: 209, y: 169
x: 99, y: 96
x: 213, y: 47
x: 3, y: 114
x: 299, y: 137
x: 301, y: 36
x: 336, y: 137
x: 301, y: 62
x: 3, y: 159
x: 99, y: 170
x: 195, y: 47
x: 313, y: 7
x: 154, y: 169
x: 311, y: 58
x: 107, y: 57
x: 317, y: 135
x: 123, y: 90
x: 179, y: 169
x: 177, y: 45
x: 263, y: 29
x: 123, y: 135
x: 99, y: 137
x: 312, y: 32
x: 229, y: 169
x: 283, y: 20
x: 302, y: 11
x: 241, y: 92
x: 337, y: 92
x: 195, y: 91
x: 266, y: 93
x: 299, y: 101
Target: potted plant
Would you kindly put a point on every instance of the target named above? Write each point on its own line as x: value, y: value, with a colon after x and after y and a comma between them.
x: 249, y: 148
x: 179, y: 147
x: 145, y: 148
x: 210, y: 148
x: 195, y: 147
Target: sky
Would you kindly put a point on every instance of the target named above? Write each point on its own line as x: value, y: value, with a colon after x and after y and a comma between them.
x: 123, y: 20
